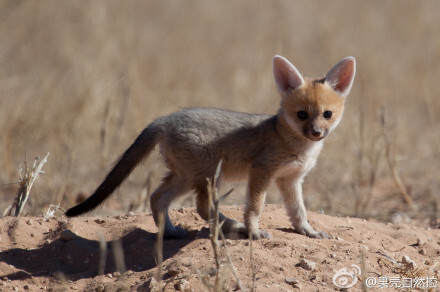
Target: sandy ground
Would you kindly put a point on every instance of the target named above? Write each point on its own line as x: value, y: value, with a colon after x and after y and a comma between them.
x: 64, y: 255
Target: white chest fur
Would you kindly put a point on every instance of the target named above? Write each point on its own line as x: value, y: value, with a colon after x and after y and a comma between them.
x: 304, y: 161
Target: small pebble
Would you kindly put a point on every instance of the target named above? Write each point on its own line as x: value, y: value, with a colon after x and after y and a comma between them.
x: 150, y: 285
x: 307, y: 265
x: 67, y: 235
x: 173, y: 272
x: 228, y: 242
x: 293, y: 282
x: 182, y: 285
x: 409, y: 263
x: 62, y: 221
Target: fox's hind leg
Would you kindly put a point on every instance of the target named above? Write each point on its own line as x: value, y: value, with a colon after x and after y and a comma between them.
x: 229, y: 225
x: 171, y: 188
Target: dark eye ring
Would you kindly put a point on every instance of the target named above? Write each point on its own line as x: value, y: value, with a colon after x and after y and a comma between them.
x: 302, y: 115
x: 328, y: 114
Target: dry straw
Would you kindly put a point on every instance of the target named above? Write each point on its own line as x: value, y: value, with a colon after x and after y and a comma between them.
x: 27, y: 179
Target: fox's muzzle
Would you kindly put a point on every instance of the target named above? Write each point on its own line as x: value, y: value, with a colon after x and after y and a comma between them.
x: 315, y: 133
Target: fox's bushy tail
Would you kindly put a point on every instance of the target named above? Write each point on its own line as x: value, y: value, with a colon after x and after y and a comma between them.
x: 141, y: 147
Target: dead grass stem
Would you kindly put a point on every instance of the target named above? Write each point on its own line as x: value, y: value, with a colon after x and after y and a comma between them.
x: 159, y: 248
x: 102, y: 254
x: 27, y: 179
x: 215, y: 231
x: 392, y: 162
x: 118, y: 254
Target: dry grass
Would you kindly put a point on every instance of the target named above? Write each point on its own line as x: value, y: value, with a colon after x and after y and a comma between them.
x: 27, y: 179
x: 80, y: 79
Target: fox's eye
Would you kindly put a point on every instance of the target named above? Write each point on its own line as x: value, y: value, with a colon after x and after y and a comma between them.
x: 302, y: 115
x: 328, y: 114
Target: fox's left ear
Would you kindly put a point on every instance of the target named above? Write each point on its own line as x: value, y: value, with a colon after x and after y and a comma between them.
x: 341, y: 76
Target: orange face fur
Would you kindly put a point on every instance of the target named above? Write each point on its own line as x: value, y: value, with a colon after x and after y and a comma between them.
x: 313, y: 110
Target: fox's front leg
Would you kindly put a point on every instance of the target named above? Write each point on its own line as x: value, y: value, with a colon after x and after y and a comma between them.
x: 291, y: 189
x: 256, y: 194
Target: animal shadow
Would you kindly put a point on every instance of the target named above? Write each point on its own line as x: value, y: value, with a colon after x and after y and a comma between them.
x: 76, y: 257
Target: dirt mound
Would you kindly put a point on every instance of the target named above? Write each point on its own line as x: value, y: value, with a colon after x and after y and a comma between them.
x: 60, y: 254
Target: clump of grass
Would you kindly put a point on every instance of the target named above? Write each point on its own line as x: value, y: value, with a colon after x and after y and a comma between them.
x: 51, y: 211
x: 27, y: 179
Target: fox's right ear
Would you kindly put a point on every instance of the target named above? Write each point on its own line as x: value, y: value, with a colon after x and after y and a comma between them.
x: 287, y: 77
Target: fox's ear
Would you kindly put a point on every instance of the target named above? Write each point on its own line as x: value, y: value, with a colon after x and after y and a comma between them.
x: 341, y: 76
x: 287, y: 77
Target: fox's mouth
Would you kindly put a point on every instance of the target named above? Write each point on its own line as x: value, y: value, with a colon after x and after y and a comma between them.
x: 315, y: 138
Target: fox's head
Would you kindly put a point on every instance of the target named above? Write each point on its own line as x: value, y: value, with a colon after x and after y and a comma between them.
x: 312, y: 108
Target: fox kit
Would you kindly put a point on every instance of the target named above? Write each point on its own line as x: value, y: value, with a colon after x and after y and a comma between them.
x: 260, y: 148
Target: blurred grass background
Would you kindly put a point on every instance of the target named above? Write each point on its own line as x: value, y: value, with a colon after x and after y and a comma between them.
x: 80, y: 79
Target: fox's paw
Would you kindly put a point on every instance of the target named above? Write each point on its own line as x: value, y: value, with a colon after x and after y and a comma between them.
x: 231, y: 226
x: 175, y: 233
x: 307, y: 229
x: 314, y: 234
x: 261, y: 234
x: 318, y: 235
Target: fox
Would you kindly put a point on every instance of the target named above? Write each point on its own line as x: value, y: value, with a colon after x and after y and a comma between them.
x: 259, y: 148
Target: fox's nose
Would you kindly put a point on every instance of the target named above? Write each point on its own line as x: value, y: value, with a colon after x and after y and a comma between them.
x: 316, y: 132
